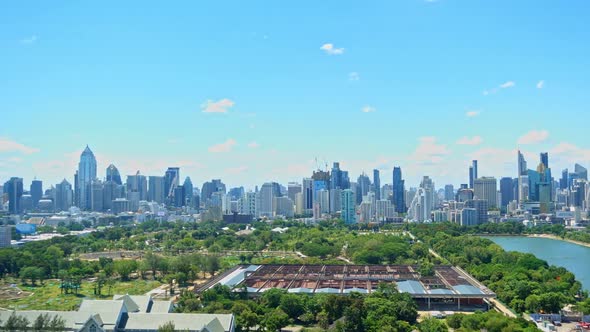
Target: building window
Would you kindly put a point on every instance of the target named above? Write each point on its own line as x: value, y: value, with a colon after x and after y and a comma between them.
x: 92, y: 328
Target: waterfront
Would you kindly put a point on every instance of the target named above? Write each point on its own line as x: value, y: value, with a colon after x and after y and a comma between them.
x: 572, y: 256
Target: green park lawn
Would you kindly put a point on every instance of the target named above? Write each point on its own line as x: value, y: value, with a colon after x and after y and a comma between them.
x: 49, y: 297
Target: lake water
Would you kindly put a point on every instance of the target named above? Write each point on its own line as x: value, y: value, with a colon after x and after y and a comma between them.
x: 573, y: 257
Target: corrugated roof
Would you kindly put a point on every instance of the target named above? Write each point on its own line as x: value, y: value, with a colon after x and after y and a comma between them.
x: 411, y: 287
x: 441, y: 291
x: 467, y: 290
x: 142, y: 322
x: 237, y: 276
x: 328, y: 290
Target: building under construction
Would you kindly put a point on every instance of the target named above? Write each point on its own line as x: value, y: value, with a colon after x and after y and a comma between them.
x: 448, y: 286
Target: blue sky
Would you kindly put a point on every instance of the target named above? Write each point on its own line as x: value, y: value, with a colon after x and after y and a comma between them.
x: 252, y: 92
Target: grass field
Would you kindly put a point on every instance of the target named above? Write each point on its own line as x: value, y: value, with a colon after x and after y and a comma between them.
x: 48, y: 296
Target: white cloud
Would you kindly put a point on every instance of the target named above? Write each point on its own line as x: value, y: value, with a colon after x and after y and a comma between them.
x: 508, y: 84
x: 223, y: 147
x: 353, y: 76
x: 505, y: 85
x: 220, y: 106
x: 429, y: 152
x: 475, y: 140
x: 29, y: 40
x: 331, y: 50
x: 540, y: 84
x: 7, y: 145
x: 474, y: 113
x: 534, y: 137
x: 253, y: 145
x: 368, y: 109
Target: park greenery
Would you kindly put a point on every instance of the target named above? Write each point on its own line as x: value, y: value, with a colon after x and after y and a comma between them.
x: 184, y: 254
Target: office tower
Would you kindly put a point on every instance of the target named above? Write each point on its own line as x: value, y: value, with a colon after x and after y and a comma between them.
x: 179, y: 196
x: 449, y: 192
x: 545, y: 159
x: 63, y: 196
x: 563, y: 182
x: 522, y: 166
x: 335, y: 197
x: 172, y: 180
x: 14, y: 190
x: 383, y: 210
x: 157, y: 189
x: 266, y: 198
x: 36, y: 192
x: 293, y: 188
x: 111, y: 191
x: 138, y: 183
x: 481, y: 206
x: 5, y: 236
x: 507, y: 191
x: 348, y: 207
x: 336, y: 177
x: 284, y: 207
x: 363, y: 184
x: 399, y: 199
x: 96, y: 196
x: 26, y: 203
x: 543, y: 188
x: 324, y: 201
x: 121, y: 205
x: 423, y: 202
x: 321, y: 181
x: 76, y: 190
x: 113, y: 175
x: 236, y: 193
x: 86, y: 175
x: 469, y: 217
x: 188, y: 191
x: 307, y: 190
x: 377, y: 184
x: 581, y: 171
x: 209, y: 188
x: 249, y: 204
x: 523, y: 181
x: 486, y: 188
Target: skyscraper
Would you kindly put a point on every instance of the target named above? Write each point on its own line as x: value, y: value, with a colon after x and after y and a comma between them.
x: 348, y: 207
x: 363, y: 184
x: 86, y: 175
x: 138, y: 183
x: 266, y: 199
x: 399, y: 199
x: 522, y: 167
x: 523, y: 181
x: 188, y: 191
x: 486, y: 188
x: 581, y: 171
x: 377, y: 184
x: 36, y: 192
x: 563, y: 182
x: 113, y: 175
x: 507, y: 191
x: 545, y: 159
x: 14, y: 189
x: 472, y: 173
x: 63, y: 196
x: 156, y: 190
x: 307, y: 196
x: 172, y: 178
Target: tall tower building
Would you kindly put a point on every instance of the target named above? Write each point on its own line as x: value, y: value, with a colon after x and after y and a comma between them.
x: 188, y: 191
x: 507, y: 191
x: 172, y: 178
x: 307, y: 191
x: 156, y: 190
x: 545, y: 159
x: 114, y: 175
x: 398, y: 187
x: 377, y: 184
x: 14, y: 189
x: 86, y: 175
x: 348, y: 206
x: 485, y: 188
x: 63, y: 196
x: 36, y: 192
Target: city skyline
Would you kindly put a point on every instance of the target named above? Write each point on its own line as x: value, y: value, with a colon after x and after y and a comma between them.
x: 425, y: 85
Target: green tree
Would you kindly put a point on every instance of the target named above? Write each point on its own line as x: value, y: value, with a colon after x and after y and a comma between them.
x: 275, y: 320
x: 432, y: 325
x: 168, y: 327
x: 124, y: 268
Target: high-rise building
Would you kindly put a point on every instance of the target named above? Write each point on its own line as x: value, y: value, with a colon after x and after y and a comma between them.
x: 209, y: 188
x: 86, y: 175
x: 292, y: 189
x: 336, y: 177
x: 63, y: 196
x: 449, y: 192
x: 284, y: 206
x: 399, y: 199
x: 348, y: 206
x: 138, y: 183
x: 5, y: 236
x: 507, y: 191
x: 188, y: 191
x: 363, y: 185
x: 335, y: 197
x: 522, y: 167
x: 563, y: 182
x: 266, y: 199
x: 377, y: 184
x: 324, y: 201
x: 581, y: 171
x: 14, y: 190
x: 486, y: 188
x: 423, y: 202
x: 97, y: 196
x: 523, y: 181
x: 172, y: 180
x: 472, y: 173
x: 481, y: 206
x: 113, y: 175
x: 157, y: 189
x: 179, y: 196
x: 36, y: 192
x: 307, y: 196
x: 545, y: 159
